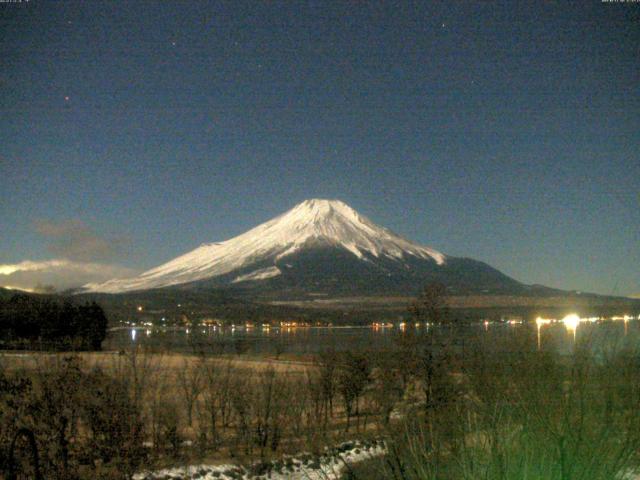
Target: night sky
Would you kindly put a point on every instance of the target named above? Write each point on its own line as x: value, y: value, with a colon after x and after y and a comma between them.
x: 132, y: 132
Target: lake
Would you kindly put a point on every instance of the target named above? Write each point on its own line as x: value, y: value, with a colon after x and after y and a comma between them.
x: 559, y: 335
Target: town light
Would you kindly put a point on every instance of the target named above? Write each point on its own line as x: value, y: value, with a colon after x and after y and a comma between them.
x: 571, y: 321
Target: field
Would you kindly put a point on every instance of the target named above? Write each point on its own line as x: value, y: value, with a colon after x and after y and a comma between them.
x: 567, y: 300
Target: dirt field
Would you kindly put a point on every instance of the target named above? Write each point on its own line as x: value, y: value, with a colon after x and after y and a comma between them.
x: 168, y: 361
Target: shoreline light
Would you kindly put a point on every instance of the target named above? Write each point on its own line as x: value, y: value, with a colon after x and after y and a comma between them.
x: 542, y: 321
x: 571, y: 321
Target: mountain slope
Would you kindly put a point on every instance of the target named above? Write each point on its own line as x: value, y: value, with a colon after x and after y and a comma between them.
x: 321, y: 246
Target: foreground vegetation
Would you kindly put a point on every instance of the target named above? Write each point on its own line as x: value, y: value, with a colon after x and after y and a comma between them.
x: 506, y: 413
x: 108, y: 415
x: 443, y: 410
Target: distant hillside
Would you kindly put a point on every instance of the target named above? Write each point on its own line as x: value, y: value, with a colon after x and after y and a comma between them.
x: 177, y: 304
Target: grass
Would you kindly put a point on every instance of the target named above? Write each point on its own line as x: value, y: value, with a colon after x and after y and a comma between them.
x: 523, y: 415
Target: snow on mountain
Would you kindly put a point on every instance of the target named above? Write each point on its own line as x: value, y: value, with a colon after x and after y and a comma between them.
x: 260, y: 274
x: 329, y: 222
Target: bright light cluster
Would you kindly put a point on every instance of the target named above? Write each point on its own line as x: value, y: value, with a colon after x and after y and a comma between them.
x: 571, y: 321
x: 543, y: 321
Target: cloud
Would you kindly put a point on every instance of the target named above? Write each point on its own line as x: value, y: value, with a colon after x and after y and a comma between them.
x: 29, y: 266
x: 37, y: 289
x: 73, y: 239
x: 80, y: 256
x: 60, y: 273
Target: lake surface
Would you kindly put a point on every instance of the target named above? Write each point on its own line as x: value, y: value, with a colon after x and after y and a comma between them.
x: 558, y: 336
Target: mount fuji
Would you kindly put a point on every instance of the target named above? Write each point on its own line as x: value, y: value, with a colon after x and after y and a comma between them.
x: 319, y: 247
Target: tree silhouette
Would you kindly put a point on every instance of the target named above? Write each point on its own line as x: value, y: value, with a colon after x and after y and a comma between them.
x: 431, y: 305
x: 52, y: 322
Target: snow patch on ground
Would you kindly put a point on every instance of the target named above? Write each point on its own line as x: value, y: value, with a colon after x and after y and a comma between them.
x: 261, y: 274
x: 305, y: 466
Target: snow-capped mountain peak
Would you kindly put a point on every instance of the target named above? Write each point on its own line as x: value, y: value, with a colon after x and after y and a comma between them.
x: 337, y: 223
x: 315, y: 221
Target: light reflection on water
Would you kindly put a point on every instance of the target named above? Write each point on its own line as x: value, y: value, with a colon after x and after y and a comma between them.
x: 544, y: 334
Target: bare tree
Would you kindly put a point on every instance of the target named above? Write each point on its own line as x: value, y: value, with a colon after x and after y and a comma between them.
x: 157, y: 399
x: 241, y: 403
x: 268, y: 410
x: 431, y: 305
x: 353, y: 377
x: 215, y: 392
x: 327, y: 364
x: 190, y: 380
x: 389, y: 388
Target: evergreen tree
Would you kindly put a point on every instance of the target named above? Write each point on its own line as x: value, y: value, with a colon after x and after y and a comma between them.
x: 59, y: 324
x: 96, y: 327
